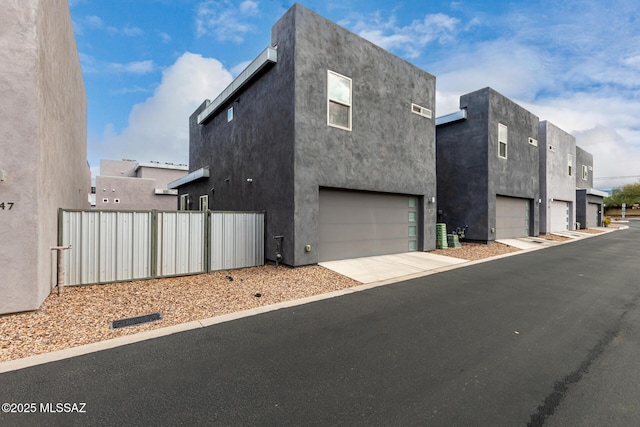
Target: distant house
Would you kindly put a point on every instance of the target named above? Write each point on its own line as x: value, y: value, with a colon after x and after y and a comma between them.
x: 589, y: 201
x: 558, y: 170
x: 329, y: 134
x: 488, y: 168
x: 43, y: 165
x: 129, y: 185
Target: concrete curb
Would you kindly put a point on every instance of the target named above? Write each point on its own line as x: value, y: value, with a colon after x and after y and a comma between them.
x: 54, y: 356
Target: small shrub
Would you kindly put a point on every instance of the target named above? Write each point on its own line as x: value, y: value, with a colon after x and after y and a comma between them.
x: 606, y: 222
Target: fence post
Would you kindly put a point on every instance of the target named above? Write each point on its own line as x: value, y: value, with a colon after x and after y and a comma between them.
x: 154, y: 243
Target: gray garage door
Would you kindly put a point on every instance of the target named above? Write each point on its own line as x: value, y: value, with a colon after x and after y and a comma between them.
x: 592, y: 215
x: 559, y: 215
x: 512, y: 217
x: 357, y: 224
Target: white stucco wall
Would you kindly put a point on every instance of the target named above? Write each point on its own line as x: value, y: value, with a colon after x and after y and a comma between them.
x: 43, y: 144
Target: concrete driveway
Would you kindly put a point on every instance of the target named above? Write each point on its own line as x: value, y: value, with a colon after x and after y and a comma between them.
x: 392, y: 267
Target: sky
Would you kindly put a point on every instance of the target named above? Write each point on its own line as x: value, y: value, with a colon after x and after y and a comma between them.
x: 148, y: 64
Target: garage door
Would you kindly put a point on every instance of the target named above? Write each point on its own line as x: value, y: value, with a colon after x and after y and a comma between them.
x: 512, y: 217
x: 559, y: 212
x: 592, y: 215
x: 358, y: 224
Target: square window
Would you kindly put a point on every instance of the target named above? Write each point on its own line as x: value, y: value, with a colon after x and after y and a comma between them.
x: 412, y: 202
x: 412, y: 231
x: 412, y: 217
x: 338, y: 100
x: 338, y: 114
x: 413, y: 245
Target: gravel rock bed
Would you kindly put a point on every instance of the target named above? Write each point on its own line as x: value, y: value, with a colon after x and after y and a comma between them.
x: 81, y: 315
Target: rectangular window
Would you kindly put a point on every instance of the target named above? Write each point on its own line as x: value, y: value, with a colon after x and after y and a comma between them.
x: 412, y: 217
x: 338, y: 100
x: 570, y: 164
x: 415, y: 108
x: 413, y: 230
x: 204, y: 203
x: 412, y: 202
x: 585, y: 172
x: 184, y: 202
x: 230, y: 114
x: 502, y: 141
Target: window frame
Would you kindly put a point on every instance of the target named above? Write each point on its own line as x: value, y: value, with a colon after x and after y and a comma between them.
x: 570, y: 164
x: 204, y: 202
x: 504, y: 143
x: 348, y: 105
x: 184, y: 202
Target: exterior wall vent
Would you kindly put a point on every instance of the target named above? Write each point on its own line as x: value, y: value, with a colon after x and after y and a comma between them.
x: 533, y: 142
x: 552, y: 148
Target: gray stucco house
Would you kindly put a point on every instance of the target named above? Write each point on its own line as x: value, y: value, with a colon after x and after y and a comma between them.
x: 558, y: 170
x: 43, y: 145
x: 488, y: 168
x: 589, y: 201
x: 331, y: 136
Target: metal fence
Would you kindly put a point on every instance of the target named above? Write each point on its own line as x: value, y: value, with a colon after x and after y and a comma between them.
x: 113, y: 246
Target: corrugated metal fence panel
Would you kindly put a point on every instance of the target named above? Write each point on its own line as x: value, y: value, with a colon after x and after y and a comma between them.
x: 181, y: 243
x: 110, y: 246
x: 237, y: 240
x: 106, y: 246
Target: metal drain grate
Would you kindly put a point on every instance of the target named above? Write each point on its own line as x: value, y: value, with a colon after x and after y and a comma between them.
x: 115, y: 324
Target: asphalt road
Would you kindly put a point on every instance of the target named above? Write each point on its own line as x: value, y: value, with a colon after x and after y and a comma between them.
x: 549, y: 337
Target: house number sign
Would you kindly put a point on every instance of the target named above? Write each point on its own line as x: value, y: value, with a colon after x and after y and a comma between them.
x: 6, y: 206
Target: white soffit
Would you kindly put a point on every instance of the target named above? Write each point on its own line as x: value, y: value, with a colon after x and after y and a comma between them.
x: 266, y: 57
x: 193, y: 176
x: 453, y: 117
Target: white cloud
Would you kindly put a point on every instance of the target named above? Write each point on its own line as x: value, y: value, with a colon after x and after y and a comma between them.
x: 158, y: 127
x: 91, y: 65
x: 166, y: 38
x: 131, y: 31
x: 135, y: 67
x: 410, y: 39
x: 249, y: 7
x: 224, y: 20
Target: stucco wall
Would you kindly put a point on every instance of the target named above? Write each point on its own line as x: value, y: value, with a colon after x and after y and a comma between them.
x: 584, y: 158
x: 161, y: 175
x: 389, y: 150
x: 131, y: 194
x: 555, y: 181
x: 122, y: 168
x: 43, y: 137
x: 470, y: 173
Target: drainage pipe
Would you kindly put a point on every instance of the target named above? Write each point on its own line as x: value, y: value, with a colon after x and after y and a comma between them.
x: 60, y: 277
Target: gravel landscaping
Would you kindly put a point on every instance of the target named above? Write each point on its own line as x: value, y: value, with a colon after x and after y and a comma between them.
x: 82, y: 314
